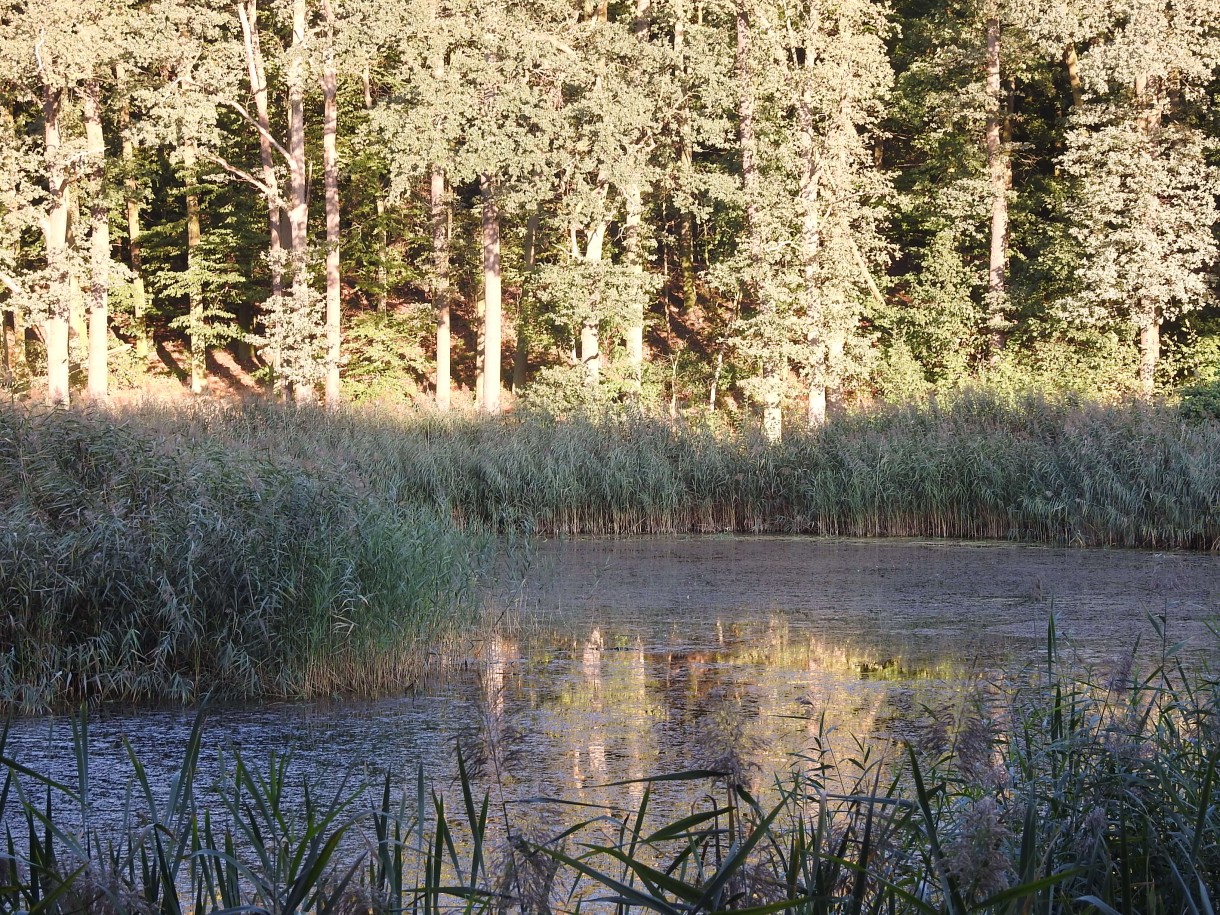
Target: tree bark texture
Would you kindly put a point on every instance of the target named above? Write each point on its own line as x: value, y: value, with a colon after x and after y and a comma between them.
x: 55, y: 231
x: 330, y: 166
x: 194, y: 234
x: 99, y: 244
x: 492, y: 275
x: 773, y: 368
x: 1000, y: 179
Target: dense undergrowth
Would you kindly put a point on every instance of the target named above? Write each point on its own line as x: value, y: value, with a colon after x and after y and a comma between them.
x: 245, y: 550
x: 1060, y: 792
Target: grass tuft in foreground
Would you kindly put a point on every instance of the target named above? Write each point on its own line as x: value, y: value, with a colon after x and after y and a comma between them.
x: 1061, y: 795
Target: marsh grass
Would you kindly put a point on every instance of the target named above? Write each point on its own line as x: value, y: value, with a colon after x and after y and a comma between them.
x: 139, y: 564
x: 1069, y: 791
x: 979, y: 465
x: 170, y: 551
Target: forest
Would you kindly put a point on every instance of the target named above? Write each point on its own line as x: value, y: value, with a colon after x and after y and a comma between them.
x: 767, y: 208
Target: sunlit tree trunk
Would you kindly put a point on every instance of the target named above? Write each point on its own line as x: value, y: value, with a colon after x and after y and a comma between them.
x: 379, y: 207
x: 131, y: 199
x: 530, y: 255
x: 298, y: 182
x: 773, y: 367
x: 808, y: 195
x: 634, y: 257
x: 1071, y: 63
x: 99, y: 244
x: 492, y: 272
x: 686, y: 233
x: 55, y: 231
x: 330, y: 164
x: 256, y: 70
x: 440, y: 288
x: 590, y: 344
x: 1000, y: 179
x: 199, y: 350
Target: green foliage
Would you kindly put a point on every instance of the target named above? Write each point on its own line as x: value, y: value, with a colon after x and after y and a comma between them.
x: 385, y: 361
x: 1201, y: 401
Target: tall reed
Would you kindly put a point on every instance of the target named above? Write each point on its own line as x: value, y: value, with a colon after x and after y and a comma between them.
x: 140, y: 564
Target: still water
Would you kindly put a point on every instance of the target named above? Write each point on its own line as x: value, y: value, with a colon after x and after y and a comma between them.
x: 618, y: 660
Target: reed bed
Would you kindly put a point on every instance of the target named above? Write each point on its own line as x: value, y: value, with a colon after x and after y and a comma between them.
x: 977, y: 465
x: 168, y: 551
x: 1067, y: 791
x: 139, y: 564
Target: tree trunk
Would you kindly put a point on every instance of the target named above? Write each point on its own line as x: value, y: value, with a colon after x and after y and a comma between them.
x: 634, y: 257
x: 298, y: 203
x: 1000, y: 179
x: 1150, y: 351
x: 808, y: 195
x: 491, y: 295
x: 773, y: 367
x: 99, y: 244
x: 590, y: 345
x: 56, y: 235
x: 131, y: 199
x: 686, y: 232
x: 379, y: 205
x: 530, y: 249
x: 247, y: 11
x: 440, y: 288
x: 1072, y: 63
x: 330, y: 163
x: 198, y: 344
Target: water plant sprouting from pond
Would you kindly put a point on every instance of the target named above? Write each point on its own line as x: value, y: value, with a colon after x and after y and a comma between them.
x: 1064, y: 791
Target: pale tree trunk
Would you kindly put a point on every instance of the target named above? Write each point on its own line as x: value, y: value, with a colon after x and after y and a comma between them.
x: 773, y: 368
x: 530, y: 251
x: 590, y: 345
x: 999, y: 169
x: 633, y: 255
x: 78, y: 322
x: 199, y: 350
x: 809, y: 194
x: 686, y: 232
x: 330, y: 163
x: 440, y: 288
x: 55, y: 230
x: 298, y: 182
x: 1147, y: 319
x: 635, y: 260
x: 99, y: 244
x: 131, y: 195
x: 383, y: 279
x: 491, y: 295
x: 247, y: 11
x: 1071, y: 63
x: 1150, y: 350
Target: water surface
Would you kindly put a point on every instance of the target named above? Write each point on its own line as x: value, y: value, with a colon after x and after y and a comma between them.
x: 617, y: 660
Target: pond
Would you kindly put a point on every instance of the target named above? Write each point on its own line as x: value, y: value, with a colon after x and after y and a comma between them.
x: 622, y: 659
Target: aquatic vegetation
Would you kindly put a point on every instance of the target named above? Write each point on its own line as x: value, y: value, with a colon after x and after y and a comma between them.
x: 166, y: 551
x: 1065, y: 792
